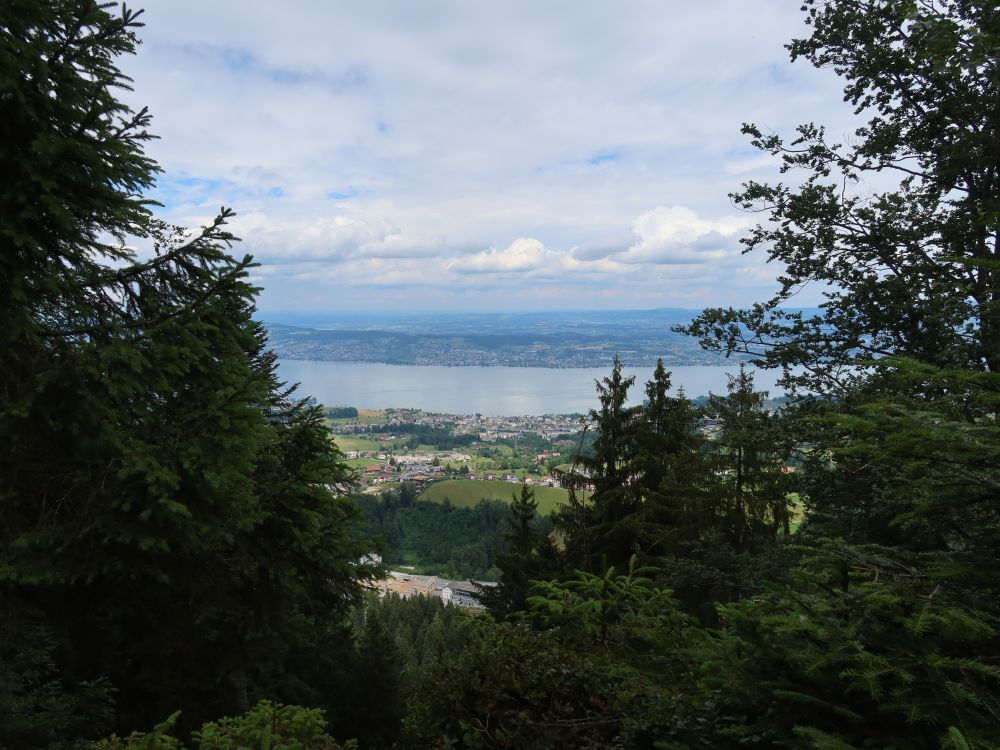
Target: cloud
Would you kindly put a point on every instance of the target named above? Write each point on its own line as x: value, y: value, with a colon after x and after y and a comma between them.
x: 603, y: 247
x: 373, y: 143
x: 670, y: 256
x: 523, y: 254
x: 330, y: 239
x: 527, y: 257
x: 678, y: 236
x: 401, y: 245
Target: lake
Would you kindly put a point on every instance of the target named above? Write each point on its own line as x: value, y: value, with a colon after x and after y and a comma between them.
x: 494, y: 391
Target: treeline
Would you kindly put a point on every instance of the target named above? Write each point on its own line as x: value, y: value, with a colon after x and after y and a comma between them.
x: 435, y: 538
x: 439, y: 437
x: 422, y: 434
x: 439, y: 538
x: 341, y: 412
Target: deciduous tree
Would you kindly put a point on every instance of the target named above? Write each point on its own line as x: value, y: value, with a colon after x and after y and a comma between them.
x: 899, y: 225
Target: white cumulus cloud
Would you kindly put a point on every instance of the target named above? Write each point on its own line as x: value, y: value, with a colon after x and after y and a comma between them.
x: 678, y: 236
x: 530, y: 257
x: 523, y: 254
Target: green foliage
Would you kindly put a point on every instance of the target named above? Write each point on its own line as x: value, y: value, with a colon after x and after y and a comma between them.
x: 751, y: 489
x: 601, y: 608
x: 528, y: 554
x: 38, y: 709
x: 167, y: 508
x: 601, y: 668
x: 423, y: 631
x: 860, y: 649
x: 377, y: 687
x: 267, y: 726
x: 439, y: 538
x: 888, y: 639
x: 341, y: 412
x: 670, y: 470
x: 425, y: 434
x: 72, y: 158
x: 511, y: 688
x: 710, y: 505
x: 907, y: 270
x: 596, y: 525
x: 158, y: 739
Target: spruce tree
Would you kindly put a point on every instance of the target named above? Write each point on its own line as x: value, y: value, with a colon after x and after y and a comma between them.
x: 528, y: 555
x: 170, y: 512
x: 598, y: 521
x: 670, y: 470
x: 751, y: 487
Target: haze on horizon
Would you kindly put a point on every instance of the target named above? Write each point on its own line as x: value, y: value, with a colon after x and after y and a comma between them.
x: 455, y: 156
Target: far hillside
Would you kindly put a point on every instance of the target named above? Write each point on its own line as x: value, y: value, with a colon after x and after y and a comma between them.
x: 552, y: 339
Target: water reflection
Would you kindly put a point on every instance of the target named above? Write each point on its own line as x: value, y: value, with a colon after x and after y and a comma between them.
x: 495, y: 391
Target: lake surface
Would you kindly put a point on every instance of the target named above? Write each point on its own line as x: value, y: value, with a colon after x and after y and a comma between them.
x: 494, y: 391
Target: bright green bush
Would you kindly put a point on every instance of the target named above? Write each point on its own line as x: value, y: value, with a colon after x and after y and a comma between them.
x: 267, y: 726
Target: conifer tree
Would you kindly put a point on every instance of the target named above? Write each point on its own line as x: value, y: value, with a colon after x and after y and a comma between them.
x: 751, y: 488
x: 601, y: 525
x: 169, y: 513
x: 528, y: 555
x: 670, y: 469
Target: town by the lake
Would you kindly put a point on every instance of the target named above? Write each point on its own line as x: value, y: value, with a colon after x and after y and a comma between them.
x: 389, y: 446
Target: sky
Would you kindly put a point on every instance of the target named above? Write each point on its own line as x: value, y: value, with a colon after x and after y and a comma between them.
x: 478, y: 156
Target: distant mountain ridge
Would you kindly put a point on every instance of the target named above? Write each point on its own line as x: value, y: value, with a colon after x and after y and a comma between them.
x: 553, y: 339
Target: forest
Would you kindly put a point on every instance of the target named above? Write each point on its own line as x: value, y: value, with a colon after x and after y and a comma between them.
x: 435, y: 538
x: 181, y: 557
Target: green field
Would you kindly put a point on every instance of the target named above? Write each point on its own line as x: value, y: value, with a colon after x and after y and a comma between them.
x: 365, y: 416
x: 354, y: 443
x: 798, y: 511
x: 362, y: 463
x: 466, y: 493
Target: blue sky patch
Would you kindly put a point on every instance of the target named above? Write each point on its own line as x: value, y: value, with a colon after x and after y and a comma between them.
x: 603, y: 157
x: 342, y: 195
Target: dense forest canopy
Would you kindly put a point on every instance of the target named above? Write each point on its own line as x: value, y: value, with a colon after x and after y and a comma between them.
x: 176, y: 527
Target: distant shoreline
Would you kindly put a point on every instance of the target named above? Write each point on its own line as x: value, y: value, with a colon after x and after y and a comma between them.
x: 556, y: 341
x: 724, y: 363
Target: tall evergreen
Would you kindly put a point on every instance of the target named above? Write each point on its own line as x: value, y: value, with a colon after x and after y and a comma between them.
x: 651, y: 483
x: 751, y: 489
x: 528, y: 555
x: 598, y: 522
x: 169, y: 515
x: 670, y: 470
